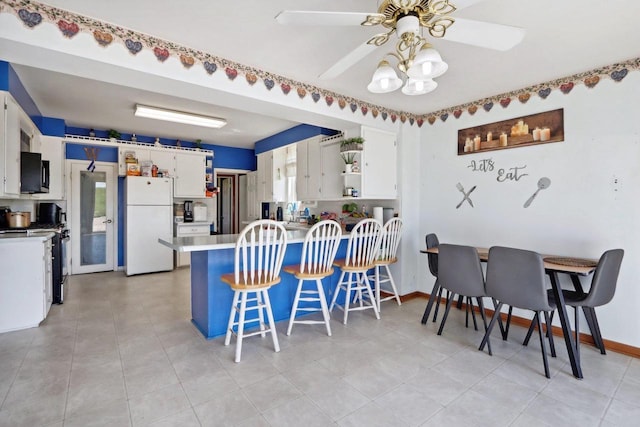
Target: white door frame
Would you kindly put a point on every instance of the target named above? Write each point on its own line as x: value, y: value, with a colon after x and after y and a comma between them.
x: 71, y: 220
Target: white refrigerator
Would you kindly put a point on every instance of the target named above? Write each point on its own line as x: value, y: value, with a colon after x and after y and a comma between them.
x: 148, y: 218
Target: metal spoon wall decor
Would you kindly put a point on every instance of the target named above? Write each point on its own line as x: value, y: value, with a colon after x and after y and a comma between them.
x: 543, y: 183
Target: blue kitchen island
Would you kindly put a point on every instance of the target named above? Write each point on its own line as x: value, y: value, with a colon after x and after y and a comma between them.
x: 211, y: 299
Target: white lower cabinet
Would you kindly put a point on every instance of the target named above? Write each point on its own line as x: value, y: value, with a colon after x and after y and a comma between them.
x: 26, y: 285
x: 189, y: 229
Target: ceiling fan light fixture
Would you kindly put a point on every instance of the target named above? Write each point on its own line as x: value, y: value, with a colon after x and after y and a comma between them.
x: 384, y: 79
x: 178, y: 117
x: 419, y: 87
x: 428, y: 64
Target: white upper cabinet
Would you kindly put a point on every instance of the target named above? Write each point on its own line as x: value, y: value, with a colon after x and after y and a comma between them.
x: 331, y: 169
x: 271, y: 176
x: 308, y: 169
x: 52, y: 149
x: 379, y: 164
x: 190, y: 176
x: 253, y: 210
x: 9, y: 147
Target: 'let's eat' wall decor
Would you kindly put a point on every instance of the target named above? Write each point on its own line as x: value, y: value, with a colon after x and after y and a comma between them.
x: 534, y: 129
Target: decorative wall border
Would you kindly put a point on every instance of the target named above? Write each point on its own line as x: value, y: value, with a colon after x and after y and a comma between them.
x: 32, y: 14
x: 590, y: 79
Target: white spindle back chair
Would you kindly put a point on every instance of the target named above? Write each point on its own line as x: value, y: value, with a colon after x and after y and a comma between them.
x: 316, y: 262
x: 362, y: 250
x: 259, y: 253
x: 387, y: 255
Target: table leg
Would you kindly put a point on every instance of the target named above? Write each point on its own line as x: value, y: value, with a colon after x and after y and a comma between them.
x: 566, y: 327
x: 432, y: 298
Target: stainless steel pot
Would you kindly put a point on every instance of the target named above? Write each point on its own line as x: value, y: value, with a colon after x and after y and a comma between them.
x: 18, y: 219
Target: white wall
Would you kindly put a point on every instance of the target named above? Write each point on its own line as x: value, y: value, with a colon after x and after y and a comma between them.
x: 591, y: 205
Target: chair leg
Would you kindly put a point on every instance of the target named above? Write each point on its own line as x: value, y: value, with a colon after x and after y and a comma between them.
x: 506, y: 328
x: 260, y: 304
x: 336, y: 292
x: 432, y: 300
x: 435, y: 312
x: 232, y: 317
x: 543, y: 346
x: 370, y: 292
x: 243, y: 309
x: 487, y: 334
x: 460, y: 301
x: 532, y: 327
x: 347, y: 299
x: 393, y: 285
x: 552, y: 346
x: 377, y: 286
x: 323, y: 305
x: 450, y: 297
x: 484, y: 321
x: 577, y: 327
x: 503, y: 331
x: 473, y: 314
x: 272, y: 324
x: 294, y: 308
x: 592, y: 321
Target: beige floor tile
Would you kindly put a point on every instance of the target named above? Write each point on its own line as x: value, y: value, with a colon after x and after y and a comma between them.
x: 123, y: 350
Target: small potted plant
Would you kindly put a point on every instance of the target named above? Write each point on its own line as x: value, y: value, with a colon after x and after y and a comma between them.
x: 198, y: 143
x: 348, y: 159
x: 352, y: 144
x: 113, y: 134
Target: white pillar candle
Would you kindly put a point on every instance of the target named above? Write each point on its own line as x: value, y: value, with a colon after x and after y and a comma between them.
x: 545, y: 134
x: 476, y: 143
x: 503, y: 139
x: 489, y: 136
x: 536, y: 134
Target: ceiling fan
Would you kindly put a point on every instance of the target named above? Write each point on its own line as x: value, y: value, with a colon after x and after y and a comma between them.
x: 415, y: 56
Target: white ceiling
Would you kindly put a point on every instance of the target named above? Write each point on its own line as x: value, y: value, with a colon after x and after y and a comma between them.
x: 563, y: 38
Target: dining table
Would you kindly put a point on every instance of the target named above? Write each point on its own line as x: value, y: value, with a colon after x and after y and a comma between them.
x: 553, y: 265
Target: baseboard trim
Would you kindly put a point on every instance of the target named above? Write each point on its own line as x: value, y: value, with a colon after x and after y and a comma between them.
x: 556, y: 330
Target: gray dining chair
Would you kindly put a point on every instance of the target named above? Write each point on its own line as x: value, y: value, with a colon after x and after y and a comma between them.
x: 517, y: 277
x: 601, y: 292
x: 460, y: 273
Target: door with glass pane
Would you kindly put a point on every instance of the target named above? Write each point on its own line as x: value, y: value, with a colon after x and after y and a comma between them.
x: 93, y: 225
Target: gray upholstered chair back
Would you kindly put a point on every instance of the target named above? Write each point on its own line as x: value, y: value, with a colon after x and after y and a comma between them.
x: 432, y: 241
x: 516, y: 277
x: 603, y: 285
x: 459, y: 270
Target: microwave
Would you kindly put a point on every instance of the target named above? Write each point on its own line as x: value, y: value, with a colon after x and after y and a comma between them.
x: 34, y: 173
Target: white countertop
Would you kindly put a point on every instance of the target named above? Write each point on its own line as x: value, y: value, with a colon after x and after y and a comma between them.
x: 13, y: 237
x: 221, y: 241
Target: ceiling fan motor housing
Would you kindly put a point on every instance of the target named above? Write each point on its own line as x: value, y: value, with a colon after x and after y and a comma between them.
x: 408, y: 23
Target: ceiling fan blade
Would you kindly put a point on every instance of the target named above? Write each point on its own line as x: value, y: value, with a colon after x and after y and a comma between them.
x: 461, y: 4
x: 348, y: 61
x: 484, y: 34
x: 299, y: 17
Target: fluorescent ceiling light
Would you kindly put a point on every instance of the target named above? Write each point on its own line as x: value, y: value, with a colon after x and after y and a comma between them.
x: 178, y: 117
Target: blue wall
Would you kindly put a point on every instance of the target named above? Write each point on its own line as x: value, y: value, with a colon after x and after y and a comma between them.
x: 10, y: 82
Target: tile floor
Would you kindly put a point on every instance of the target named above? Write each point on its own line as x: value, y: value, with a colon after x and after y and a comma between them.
x: 121, y: 351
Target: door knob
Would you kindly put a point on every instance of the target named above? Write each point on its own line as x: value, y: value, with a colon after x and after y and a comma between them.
x: 107, y: 221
